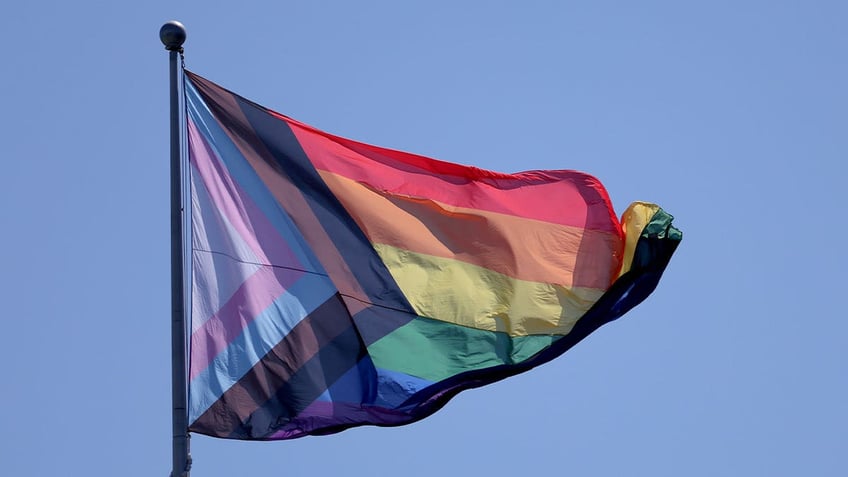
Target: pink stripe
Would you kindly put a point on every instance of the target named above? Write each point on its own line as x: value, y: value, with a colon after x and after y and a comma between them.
x: 236, y: 206
x: 252, y: 228
x: 254, y: 296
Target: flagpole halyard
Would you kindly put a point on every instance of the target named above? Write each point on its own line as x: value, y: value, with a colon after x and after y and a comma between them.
x: 173, y: 35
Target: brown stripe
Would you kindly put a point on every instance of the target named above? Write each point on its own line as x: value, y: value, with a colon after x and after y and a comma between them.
x: 286, y: 193
x: 230, y: 415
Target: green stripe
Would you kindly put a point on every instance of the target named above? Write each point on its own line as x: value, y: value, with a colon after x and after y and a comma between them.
x: 657, y: 242
x: 436, y: 350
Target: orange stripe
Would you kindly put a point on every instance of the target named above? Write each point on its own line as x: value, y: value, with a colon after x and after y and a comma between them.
x: 563, y: 197
x: 520, y: 248
x: 633, y: 221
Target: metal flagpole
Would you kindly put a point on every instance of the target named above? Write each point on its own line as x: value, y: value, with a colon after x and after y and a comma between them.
x: 173, y: 35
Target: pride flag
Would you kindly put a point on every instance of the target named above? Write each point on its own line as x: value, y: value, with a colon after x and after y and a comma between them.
x: 338, y: 284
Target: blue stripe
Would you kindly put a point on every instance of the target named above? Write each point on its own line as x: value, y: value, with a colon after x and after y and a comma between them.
x: 394, y: 387
x: 355, y: 386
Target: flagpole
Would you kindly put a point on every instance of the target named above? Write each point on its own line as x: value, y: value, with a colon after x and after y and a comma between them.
x: 173, y: 35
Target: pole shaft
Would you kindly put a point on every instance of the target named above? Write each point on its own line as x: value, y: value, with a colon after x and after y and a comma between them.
x: 180, y: 446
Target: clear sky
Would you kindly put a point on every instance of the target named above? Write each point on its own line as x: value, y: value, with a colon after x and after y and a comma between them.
x: 732, y: 115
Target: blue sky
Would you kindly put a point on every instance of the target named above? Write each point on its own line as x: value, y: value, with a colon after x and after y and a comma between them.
x: 732, y: 115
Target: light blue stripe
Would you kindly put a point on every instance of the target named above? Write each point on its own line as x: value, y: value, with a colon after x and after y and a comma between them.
x: 245, y: 176
x: 257, y: 339
x: 274, y: 323
x: 212, y: 230
x: 215, y: 280
x: 217, y: 276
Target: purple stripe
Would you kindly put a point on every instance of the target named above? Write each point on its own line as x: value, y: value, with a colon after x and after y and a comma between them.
x: 322, y: 415
x: 255, y: 295
x: 234, y: 204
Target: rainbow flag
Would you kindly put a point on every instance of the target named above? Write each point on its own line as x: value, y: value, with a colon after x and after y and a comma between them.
x: 336, y: 284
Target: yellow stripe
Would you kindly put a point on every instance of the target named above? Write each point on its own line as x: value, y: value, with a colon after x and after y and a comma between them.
x: 633, y: 221
x: 472, y: 296
x: 521, y: 248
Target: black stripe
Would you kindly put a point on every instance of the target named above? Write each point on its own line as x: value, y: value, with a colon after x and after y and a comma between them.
x: 321, y: 348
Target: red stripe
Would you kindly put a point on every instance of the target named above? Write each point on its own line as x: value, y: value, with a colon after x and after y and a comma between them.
x: 287, y: 194
x: 562, y: 197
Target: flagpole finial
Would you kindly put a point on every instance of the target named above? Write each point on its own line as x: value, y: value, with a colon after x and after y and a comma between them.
x: 172, y: 34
